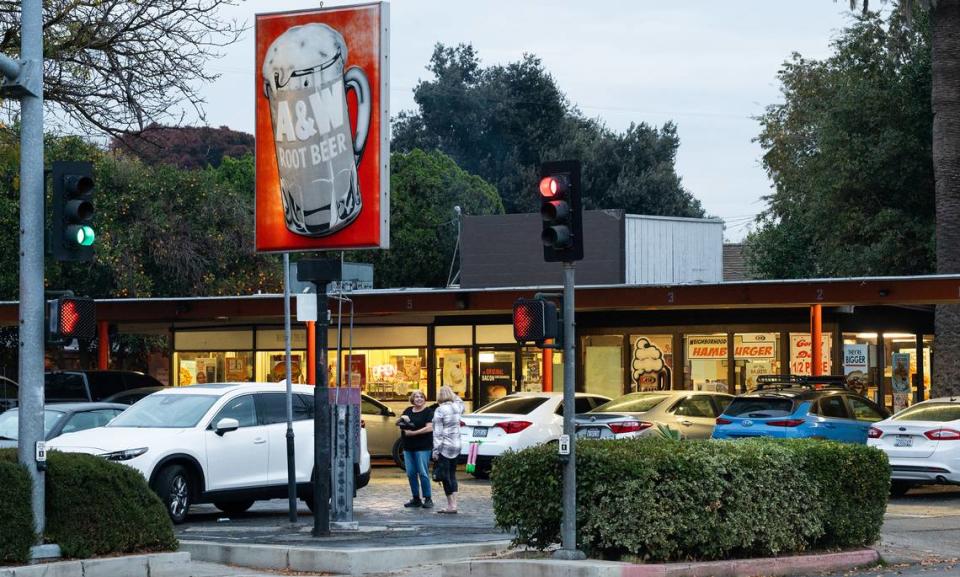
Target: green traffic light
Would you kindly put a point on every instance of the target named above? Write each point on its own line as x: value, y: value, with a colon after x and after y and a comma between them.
x: 85, y: 235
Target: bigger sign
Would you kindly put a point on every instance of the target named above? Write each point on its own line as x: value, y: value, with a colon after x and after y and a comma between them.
x: 323, y: 151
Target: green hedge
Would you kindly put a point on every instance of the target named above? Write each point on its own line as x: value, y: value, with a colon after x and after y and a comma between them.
x: 662, y: 500
x: 16, y: 522
x: 95, y: 507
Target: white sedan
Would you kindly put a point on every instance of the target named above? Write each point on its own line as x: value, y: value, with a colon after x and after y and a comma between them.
x: 922, y: 443
x: 516, y: 422
x: 220, y: 443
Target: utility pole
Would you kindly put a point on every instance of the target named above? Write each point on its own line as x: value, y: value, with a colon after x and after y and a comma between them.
x: 23, y: 79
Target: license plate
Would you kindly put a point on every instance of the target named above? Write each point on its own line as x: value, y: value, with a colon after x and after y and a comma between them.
x: 593, y: 433
x: 903, y: 441
x: 480, y: 431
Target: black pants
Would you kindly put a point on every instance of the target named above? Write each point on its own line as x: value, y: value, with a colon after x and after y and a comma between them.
x: 447, y: 471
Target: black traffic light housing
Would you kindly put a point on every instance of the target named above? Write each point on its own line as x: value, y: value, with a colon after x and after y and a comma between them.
x: 561, y: 211
x: 535, y: 320
x: 72, y: 234
x: 71, y: 318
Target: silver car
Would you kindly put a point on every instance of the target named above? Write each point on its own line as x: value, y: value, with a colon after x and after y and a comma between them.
x: 692, y: 413
x: 383, y: 434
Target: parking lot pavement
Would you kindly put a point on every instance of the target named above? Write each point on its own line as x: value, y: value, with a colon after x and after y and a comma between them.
x: 378, y: 508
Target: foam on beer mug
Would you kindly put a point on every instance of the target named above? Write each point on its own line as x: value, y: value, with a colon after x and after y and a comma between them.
x: 300, y: 48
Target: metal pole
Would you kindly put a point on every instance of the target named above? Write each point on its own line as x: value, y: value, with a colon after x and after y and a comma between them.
x: 31, y: 256
x: 568, y: 530
x: 291, y: 452
x: 321, y: 423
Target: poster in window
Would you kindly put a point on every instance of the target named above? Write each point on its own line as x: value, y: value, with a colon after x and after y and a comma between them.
x: 187, y: 375
x: 496, y: 379
x: 206, y: 370
x: 235, y: 370
x: 411, y: 369
x: 650, y: 366
x: 358, y: 371
x: 455, y: 372
x: 900, y: 380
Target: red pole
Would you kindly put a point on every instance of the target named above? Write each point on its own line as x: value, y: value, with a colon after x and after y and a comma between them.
x: 311, y: 353
x: 816, y: 332
x: 103, y: 345
x: 547, y: 371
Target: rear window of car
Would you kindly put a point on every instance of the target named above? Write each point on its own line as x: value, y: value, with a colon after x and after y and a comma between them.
x: 64, y: 387
x: 759, y: 407
x: 635, y: 403
x: 514, y: 406
x: 939, y: 412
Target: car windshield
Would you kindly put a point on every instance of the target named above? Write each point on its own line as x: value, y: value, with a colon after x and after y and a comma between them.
x: 166, y: 411
x: 10, y: 420
x: 759, y: 407
x: 64, y: 387
x: 633, y: 403
x: 514, y: 405
x: 939, y: 412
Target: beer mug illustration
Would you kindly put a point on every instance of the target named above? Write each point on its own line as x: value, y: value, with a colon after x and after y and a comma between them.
x: 317, y: 155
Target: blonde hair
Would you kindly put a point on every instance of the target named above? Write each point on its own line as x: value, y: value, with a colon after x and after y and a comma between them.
x: 446, y: 395
x: 415, y: 393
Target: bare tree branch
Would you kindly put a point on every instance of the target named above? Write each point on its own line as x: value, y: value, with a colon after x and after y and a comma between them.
x: 119, y: 65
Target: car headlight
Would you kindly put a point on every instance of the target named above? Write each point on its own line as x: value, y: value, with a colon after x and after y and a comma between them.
x: 124, y: 455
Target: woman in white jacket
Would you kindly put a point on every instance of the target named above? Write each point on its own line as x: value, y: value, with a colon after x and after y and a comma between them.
x: 446, y: 444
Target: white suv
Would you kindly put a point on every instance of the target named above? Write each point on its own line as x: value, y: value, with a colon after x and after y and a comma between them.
x: 219, y: 443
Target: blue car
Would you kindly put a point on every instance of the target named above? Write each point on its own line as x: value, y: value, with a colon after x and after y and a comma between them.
x: 796, y: 406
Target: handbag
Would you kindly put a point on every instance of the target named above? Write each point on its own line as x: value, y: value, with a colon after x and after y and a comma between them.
x: 439, y: 471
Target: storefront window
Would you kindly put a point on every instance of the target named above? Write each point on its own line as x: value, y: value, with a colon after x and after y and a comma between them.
x: 193, y: 368
x: 927, y: 365
x: 454, y: 370
x: 860, y: 363
x: 755, y: 354
x: 531, y: 370
x: 384, y: 374
x: 900, y: 369
x: 801, y: 353
x: 706, y: 368
x: 651, y: 365
x: 272, y: 366
x: 603, y: 365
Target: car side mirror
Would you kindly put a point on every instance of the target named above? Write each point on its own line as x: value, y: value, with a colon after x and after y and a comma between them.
x: 225, y: 425
x: 389, y: 413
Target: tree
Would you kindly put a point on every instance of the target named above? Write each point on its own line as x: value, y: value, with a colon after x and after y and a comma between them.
x: 500, y: 122
x: 116, y: 65
x: 185, y: 146
x: 849, y: 154
x: 944, y: 18
x: 424, y: 189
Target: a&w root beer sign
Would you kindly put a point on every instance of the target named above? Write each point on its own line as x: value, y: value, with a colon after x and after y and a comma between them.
x: 322, y: 129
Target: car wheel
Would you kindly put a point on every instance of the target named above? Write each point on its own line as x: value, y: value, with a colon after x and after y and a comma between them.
x: 398, y: 454
x: 233, y: 507
x: 899, y: 488
x: 173, y: 485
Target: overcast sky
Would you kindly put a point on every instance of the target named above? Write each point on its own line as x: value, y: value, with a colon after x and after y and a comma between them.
x: 708, y: 65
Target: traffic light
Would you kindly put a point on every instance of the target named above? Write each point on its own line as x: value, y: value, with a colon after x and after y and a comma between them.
x: 72, y: 318
x: 535, y: 320
x: 560, y: 210
x: 71, y: 231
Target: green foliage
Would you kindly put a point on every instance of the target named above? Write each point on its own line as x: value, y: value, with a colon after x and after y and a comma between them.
x: 849, y: 152
x: 500, y: 122
x: 656, y: 500
x: 665, y: 432
x: 424, y: 188
x: 16, y: 522
x: 95, y: 507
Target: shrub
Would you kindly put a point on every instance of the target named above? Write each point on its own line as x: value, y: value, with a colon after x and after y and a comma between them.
x: 16, y: 522
x: 95, y: 507
x: 662, y: 500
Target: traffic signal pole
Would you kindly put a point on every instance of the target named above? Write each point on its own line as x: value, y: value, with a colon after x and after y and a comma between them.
x: 24, y: 80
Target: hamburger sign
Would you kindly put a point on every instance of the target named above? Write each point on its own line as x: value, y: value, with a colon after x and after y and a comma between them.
x: 322, y: 129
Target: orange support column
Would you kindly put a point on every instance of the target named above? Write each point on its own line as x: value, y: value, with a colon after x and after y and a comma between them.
x: 103, y: 345
x: 547, y: 371
x: 816, y: 341
x: 311, y: 352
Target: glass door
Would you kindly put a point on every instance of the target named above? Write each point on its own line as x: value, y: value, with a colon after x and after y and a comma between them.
x: 497, y: 374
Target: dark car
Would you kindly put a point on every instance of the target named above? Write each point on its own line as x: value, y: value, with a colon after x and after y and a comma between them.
x: 132, y: 396
x: 71, y: 386
x: 797, y: 406
x: 9, y: 394
x: 60, y: 418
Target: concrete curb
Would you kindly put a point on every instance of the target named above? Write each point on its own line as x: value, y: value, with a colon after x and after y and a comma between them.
x: 330, y: 560
x: 151, y: 565
x: 796, y: 565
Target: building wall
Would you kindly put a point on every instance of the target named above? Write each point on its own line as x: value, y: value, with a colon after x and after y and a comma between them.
x: 670, y: 250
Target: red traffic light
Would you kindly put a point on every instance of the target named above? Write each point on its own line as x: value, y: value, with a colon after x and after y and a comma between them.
x: 534, y: 320
x: 552, y: 186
